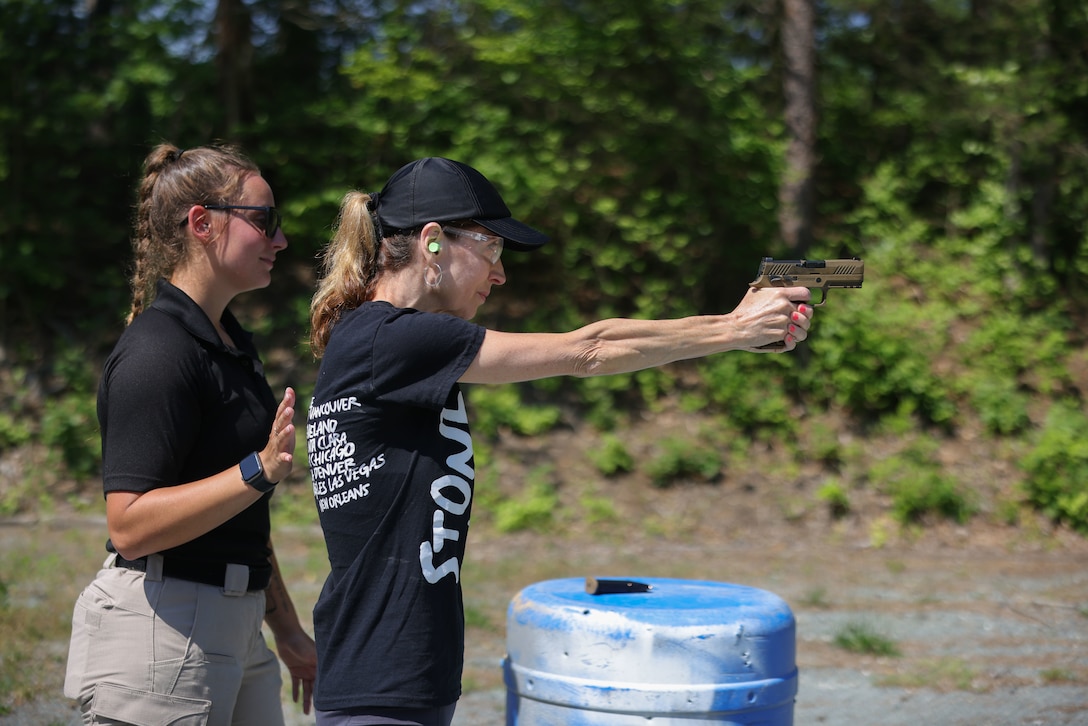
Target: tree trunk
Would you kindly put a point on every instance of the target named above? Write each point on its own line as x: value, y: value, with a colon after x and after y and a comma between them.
x: 234, y: 59
x: 796, y: 202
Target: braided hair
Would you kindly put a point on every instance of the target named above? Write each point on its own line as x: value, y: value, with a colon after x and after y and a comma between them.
x: 173, y: 181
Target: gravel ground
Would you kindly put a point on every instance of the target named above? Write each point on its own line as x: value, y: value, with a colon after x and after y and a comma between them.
x: 986, y: 636
x: 977, y: 649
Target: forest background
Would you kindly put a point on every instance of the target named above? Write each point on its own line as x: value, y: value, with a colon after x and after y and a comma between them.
x: 666, y: 146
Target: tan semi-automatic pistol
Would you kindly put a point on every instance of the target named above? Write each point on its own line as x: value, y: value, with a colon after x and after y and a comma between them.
x: 822, y: 274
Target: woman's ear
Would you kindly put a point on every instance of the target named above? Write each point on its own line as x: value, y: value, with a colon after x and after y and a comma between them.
x: 200, y: 222
x: 429, y: 238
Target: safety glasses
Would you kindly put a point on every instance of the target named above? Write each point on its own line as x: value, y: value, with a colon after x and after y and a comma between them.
x: 489, y: 246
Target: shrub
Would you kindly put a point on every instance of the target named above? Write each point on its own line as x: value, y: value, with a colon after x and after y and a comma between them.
x: 69, y: 423
x: 1057, y: 468
x: 751, y: 392
x: 928, y: 492
x: 534, y: 509
x: 69, y: 428
x: 681, y: 459
x: 1002, y: 406
x: 877, y: 363
x: 918, y: 486
x: 838, y: 501
x: 612, y: 457
x: 496, y: 407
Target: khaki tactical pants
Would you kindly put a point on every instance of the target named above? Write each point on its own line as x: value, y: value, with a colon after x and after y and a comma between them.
x: 152, y: 650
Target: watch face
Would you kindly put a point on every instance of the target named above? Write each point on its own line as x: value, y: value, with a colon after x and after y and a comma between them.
x: 251, y: 467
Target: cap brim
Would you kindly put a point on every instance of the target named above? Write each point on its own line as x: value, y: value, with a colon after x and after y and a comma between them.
x: 516, y: 235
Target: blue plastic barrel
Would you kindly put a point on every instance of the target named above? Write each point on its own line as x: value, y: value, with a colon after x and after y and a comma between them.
x: 684, y: 652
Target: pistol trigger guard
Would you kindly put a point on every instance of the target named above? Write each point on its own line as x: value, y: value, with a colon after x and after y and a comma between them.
x: 823, y: 297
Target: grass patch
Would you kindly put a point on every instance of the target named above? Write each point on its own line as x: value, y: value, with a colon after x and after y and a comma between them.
x: 41, y: 574
x: 862, y: 638
x: 1052, y: 676
x: 816, y: 598
x: 942, y: 674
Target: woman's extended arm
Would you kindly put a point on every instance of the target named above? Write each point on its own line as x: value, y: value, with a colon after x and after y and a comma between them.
x: 620, y: 345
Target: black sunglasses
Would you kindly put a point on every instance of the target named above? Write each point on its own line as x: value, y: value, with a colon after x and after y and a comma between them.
x: 272, y: 218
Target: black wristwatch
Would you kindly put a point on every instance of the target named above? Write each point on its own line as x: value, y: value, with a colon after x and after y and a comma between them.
x: 253, y: 474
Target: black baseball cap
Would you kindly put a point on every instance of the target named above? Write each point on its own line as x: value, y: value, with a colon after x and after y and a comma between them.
x: 434, y: 189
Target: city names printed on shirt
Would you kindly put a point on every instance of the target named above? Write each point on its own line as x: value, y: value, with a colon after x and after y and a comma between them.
x: 337, y: 477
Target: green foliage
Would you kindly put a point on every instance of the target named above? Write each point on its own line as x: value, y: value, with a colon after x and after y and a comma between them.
x: 605, y: 400
x: 498, y: 407
x: 293, y: 503
x: 14, y: 430
x: 877, y: 359
x: 69, y: 429
x: 1057, y: 467
x: 1001, y: 405
x: 1009, y: 360
x: 69, y: 423
x: 612, y: 457
x: 919, y: 486
x: 1059, y: 675
x: 863, y: 639
x: 930, y: 492
x: 598, y: 510
x: 534, y: 509
x: 880, y: 362
x: 751, y: 392
x: 836, y: 497
x: 679, y: 458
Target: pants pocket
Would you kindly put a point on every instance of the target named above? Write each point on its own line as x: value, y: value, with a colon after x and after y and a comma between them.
x: 113, y: 704
x: 86, y: 621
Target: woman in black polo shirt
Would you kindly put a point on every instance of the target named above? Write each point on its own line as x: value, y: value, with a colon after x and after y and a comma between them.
x: 390, y: 452
x: 193, y: 443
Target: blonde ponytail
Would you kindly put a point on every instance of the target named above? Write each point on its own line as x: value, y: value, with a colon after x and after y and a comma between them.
x: 349, y: 266
x: 353, y: 261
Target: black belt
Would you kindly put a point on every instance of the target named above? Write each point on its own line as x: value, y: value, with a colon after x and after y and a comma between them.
x: 201, y: 572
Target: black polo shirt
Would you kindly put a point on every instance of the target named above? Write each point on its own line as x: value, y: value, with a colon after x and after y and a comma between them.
x: 176, y: 405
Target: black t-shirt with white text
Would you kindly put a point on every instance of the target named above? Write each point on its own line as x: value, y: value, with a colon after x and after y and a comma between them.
x: 392, y: 468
